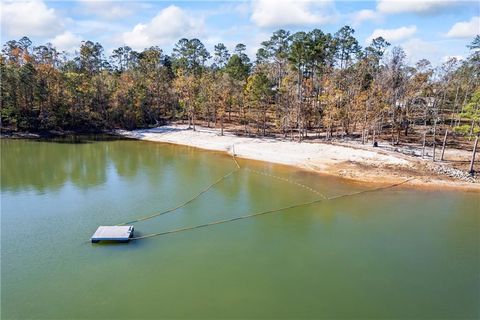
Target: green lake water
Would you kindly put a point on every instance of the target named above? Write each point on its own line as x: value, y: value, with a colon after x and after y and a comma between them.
x: 397, y: 253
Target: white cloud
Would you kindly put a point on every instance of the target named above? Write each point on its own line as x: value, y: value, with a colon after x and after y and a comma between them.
x: 276, y: 13
x: 393, y: 35
x: 108, y: 9
x: 168, y: 26
x: 465, y: 29
x: 66, y: 41
x: 417, y: 49
x: 29, y: 18
x: 365, y: 15
x: 414, y: 6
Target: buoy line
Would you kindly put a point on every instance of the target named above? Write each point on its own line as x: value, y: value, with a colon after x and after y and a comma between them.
x: 196, y: 196
x: 267, y: 211
x: 233, y: 156
x: 287, y: 180
x: 246, y: 216
x: 276, y: 177
x: 185, y: 203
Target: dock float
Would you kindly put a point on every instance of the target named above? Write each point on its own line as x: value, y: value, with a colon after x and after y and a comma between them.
x: 113, y: 233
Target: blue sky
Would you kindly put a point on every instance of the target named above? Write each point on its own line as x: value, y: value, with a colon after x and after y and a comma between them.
x: 432, y: 29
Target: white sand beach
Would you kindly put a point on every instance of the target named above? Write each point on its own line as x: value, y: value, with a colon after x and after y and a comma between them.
x: 356, y: 162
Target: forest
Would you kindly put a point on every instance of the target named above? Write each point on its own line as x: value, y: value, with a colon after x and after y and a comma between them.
x: 300, y: 85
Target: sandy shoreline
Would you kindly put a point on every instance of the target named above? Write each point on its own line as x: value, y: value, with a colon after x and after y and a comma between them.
x: 364, y: 164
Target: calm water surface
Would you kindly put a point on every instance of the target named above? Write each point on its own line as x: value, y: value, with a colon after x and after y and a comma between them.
x: 398, y: 253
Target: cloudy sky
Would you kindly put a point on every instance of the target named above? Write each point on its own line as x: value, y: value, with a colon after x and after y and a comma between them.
x: 429, y: 29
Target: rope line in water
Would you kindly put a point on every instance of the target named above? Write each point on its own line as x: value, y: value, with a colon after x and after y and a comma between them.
x: 276, y: 177
x: 183, y: 204
x: 233, y: 156
x: 267, y: 211
x: 287, y: 180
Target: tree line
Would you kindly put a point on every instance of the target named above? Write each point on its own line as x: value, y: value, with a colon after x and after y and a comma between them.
x: 299, y: 85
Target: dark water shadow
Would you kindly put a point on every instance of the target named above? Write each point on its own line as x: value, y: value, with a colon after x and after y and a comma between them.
x: 81, y: 139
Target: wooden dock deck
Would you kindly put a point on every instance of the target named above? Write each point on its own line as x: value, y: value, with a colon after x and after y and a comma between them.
x: 113, y: 233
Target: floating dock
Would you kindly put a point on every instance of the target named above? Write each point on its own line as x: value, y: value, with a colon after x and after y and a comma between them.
x: 113, y: 233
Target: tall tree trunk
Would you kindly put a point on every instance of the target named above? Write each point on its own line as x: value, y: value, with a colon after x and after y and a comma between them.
x: 459, y: 117
x: 423, y: 144
x: 472, y: 125
x: 444, y: 144
x: 264, y: 119
x: 221, y: 125
x: 434, y: 137
x: 193, y: 121
x: 454, y: 106
x: 471, y: 171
